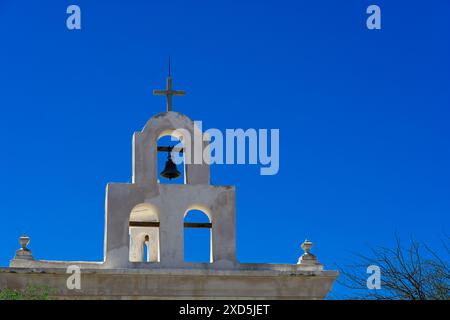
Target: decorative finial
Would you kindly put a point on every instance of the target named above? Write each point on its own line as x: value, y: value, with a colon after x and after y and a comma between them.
x: 306, y: 246
x: 307, y: 258
x: 169, y: 92
x: 24, y: 240
x: 24, y: 253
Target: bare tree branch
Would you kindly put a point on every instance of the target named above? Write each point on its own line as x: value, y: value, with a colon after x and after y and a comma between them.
x: 406, y: 273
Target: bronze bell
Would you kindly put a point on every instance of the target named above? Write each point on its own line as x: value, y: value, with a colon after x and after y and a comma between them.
x: 170, y: 169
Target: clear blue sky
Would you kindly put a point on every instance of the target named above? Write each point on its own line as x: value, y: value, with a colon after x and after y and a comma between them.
x: 363, y: 117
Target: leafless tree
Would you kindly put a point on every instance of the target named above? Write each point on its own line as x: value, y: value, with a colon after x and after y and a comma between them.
x: 414, y: 272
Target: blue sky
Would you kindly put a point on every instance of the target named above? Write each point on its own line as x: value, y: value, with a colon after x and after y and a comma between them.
x: 363, y: 117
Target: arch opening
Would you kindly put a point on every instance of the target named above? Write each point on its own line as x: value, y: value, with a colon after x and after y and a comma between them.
x: 144, y: 234
x: 165, y: 143
x: 197, y: 236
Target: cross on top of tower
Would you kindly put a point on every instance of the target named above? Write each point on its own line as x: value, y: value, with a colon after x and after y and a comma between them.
x: 169, y: 92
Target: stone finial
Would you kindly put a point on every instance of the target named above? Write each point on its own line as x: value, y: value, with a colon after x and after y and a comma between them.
x: 24, y: 240
x: 308, y: 258
x: 24, y: 253
x: 306, y: 246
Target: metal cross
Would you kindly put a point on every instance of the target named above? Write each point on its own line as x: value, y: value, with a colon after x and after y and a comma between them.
x: 169, y: 92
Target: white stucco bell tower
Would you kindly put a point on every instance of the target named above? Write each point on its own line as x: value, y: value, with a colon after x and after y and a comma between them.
x: 147, y: 216
x: 146, y: 212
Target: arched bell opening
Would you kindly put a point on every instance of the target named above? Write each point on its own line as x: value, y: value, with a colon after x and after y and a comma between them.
x: 171, y: 160
x: 197, y: 237
x: 144, y: 234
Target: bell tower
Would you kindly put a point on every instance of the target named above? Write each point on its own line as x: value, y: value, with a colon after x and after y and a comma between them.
x: 145, y: 219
